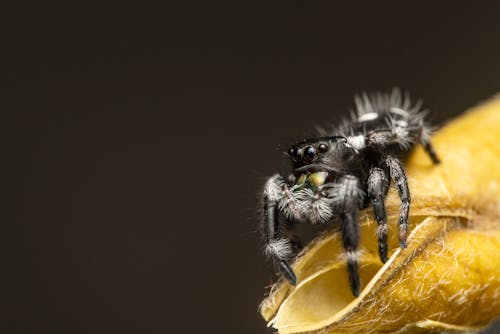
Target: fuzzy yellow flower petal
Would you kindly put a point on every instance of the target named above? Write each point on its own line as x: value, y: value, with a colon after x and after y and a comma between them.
x: 447, y: 279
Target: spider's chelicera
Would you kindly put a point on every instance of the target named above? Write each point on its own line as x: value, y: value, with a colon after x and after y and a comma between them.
x: 337, y: 175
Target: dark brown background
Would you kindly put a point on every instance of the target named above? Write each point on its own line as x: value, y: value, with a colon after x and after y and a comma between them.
x: 140, y: 135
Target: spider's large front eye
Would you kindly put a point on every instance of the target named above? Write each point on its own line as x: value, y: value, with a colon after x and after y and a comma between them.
x: 309, y: 152
x: 296, y: 153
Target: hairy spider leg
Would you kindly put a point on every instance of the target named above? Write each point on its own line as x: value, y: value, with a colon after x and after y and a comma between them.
x: 429, y: 149
x: 276, y: 225
x: 349, y: 207
x: 398, y: 175
x: 377, y: 189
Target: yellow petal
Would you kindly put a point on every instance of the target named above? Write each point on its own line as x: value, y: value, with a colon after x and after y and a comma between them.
x: 449, y: 276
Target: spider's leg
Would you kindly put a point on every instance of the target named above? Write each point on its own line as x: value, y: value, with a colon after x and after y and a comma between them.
x: 398, y: 175
x: 424, y: 135
x: 377, y: 188
x: 350, y: 197
x: 394, y: 135
x: 275, y: 226
x: 431, y: 152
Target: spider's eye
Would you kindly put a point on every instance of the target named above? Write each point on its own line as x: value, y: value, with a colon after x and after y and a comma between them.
x: 309, y: 152
x: 322, y: 148
x: 296, y: 154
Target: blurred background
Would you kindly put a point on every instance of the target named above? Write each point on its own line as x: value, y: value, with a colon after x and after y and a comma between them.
x: 138, y: 136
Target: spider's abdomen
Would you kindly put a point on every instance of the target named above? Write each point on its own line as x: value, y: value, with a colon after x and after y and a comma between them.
x: 372, y: 122
x: 388, y: 121
x: 383, y: 111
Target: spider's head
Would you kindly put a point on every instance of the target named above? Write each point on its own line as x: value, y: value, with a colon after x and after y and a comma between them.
x: 317, y: 154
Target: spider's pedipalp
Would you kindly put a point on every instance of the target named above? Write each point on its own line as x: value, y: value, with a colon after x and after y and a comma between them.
x: 277, y: 191
x: 290, y: 204
x: 316, y: 204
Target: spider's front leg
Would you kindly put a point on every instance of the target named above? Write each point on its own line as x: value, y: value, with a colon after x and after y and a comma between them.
x: 350, y: 197
x: 280, y: 206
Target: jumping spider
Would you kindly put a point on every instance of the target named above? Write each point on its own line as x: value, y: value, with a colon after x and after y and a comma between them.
x: 338, y: 175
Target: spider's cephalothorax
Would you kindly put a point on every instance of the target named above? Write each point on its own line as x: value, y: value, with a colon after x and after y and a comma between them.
x: 340, y: 174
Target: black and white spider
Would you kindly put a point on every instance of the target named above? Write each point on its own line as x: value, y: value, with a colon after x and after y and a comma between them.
x: 339, y: 174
